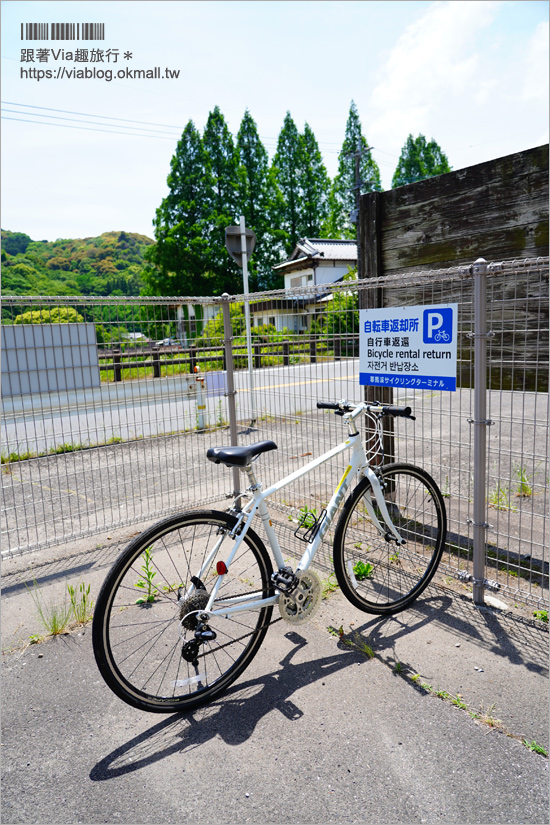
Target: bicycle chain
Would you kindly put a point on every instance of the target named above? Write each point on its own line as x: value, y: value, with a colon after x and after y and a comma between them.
x: 240, y: 638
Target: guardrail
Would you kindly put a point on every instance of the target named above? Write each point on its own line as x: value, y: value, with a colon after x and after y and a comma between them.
x: 308, y: 350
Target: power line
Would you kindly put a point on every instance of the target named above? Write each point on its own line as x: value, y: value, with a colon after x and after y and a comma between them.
x: 85, y: 129
x: 87, y: 114
x: 73, y: 120
x: 270, y: 142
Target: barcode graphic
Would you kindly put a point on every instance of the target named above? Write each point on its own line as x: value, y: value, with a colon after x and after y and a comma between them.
x: 62, y: 31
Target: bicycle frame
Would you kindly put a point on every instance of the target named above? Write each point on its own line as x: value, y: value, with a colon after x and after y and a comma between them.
x: 257, y: 505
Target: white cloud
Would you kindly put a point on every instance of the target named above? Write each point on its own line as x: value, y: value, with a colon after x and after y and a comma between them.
x: 436, y: 61
x: 535, y: 85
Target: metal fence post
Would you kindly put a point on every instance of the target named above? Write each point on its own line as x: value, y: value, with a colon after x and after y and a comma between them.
x: 480, y: 426
x: 117, y: 369
x: 228, y: 350
x: 156, y: 362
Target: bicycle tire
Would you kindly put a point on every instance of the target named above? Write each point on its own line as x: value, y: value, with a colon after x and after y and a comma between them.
x: 138, y: 632
x: 376, y: 575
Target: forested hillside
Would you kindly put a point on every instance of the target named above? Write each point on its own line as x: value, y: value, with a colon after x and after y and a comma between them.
x: 213, y: 180
x: 111, y: 264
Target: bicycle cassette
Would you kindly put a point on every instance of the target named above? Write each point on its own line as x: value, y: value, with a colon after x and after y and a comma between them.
x: 302, y: 603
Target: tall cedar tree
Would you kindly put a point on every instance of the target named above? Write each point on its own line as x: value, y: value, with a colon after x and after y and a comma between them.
x: 260, y: 200
x: 419, y: 160
x: 182, y: 253
x: 223, y: 166
x: 314, y: 186
x: 286, y: 168
x: 342, y: 201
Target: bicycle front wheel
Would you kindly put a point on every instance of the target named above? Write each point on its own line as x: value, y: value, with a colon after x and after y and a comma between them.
x: 146, y: 613
x: 378, y: 575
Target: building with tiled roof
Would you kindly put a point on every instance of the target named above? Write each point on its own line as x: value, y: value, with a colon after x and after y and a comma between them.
x: 313, y: 262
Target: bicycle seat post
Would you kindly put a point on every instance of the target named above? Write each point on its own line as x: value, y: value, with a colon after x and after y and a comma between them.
x: 249, y: 470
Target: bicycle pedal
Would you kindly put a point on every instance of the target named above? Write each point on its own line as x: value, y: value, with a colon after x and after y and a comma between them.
x: 285, y: 580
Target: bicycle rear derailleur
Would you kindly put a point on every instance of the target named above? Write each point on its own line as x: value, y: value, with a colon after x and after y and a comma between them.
x: 190, y: 650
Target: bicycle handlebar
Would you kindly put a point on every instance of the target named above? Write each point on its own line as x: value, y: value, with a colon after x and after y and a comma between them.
x: 403, y: 412
x: 343, y: 407
x: 329, y: 405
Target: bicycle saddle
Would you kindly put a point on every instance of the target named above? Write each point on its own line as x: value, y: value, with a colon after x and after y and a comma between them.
x: 239, y: 456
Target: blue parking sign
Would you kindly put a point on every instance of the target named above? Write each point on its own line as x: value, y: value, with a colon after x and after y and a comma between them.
x: 437, y: 326
x: 413, y: 347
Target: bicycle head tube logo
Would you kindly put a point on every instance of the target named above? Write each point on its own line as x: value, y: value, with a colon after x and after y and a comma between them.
x: 437, y: 325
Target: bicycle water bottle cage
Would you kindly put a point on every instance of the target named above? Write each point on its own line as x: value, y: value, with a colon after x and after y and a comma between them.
x: 285, y: 580
x: 310, y: 523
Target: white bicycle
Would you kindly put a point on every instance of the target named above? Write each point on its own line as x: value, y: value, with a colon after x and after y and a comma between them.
x: 188, y: 603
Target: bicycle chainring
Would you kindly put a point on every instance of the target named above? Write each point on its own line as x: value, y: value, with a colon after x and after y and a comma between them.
x: 302, y: 603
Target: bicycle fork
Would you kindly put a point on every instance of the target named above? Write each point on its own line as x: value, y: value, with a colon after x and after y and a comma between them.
x: 380, y: 501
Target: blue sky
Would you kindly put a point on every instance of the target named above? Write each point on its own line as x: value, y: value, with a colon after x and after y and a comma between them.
x: 471, y: 74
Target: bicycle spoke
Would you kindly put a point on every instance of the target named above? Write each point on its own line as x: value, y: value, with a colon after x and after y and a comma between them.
x: 147, y: 648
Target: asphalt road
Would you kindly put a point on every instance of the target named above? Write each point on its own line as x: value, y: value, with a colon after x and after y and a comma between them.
x: 313, y: 732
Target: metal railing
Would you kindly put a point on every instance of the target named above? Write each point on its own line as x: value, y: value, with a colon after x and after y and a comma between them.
x: 81, y: 460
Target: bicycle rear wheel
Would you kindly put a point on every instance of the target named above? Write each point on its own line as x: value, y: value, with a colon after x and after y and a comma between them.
x: 140, y: 626
x: 379, y: 576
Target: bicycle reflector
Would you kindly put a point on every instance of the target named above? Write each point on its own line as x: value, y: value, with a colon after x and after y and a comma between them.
x: 221, y: 568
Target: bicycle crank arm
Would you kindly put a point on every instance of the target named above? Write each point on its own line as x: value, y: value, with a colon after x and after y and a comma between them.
x: 375, y: 485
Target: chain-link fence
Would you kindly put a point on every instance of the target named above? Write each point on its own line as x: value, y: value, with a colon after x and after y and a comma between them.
x: 106, y: 422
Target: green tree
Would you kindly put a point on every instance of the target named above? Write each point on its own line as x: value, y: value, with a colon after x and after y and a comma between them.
x: 342, y: 317
x: 182, y: 253
x: 260, y: 202
x: 419, y: 160
x: 55, y: 315
x: 19, y: 279
x: 287, y: 174
x: 314, y: 186
x: 342, y: 201
x: 223, y: 165
x: 15, y: 243
x: 213, y: 332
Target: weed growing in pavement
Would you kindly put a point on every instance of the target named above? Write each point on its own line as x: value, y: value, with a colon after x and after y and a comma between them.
x: 355, y: 641
x: 535, y: 747
x: 146, y: 583
x: 499, y: 499
x: 329, y: 586
x: 54, y: 617
x: 81, y: 603
x: 362, y: 570
x: 524, y: 485
x: 487, y: 718
x: 58, y: 618
x: 541, y: 615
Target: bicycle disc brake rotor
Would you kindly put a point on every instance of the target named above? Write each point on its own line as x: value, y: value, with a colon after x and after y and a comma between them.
x: 302, y: 604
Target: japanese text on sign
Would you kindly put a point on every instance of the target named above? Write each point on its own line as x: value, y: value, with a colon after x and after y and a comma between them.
x: 424, y: 358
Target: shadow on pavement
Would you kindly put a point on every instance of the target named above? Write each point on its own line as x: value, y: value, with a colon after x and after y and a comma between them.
x: 505, y: 635
x: 233, y: 717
